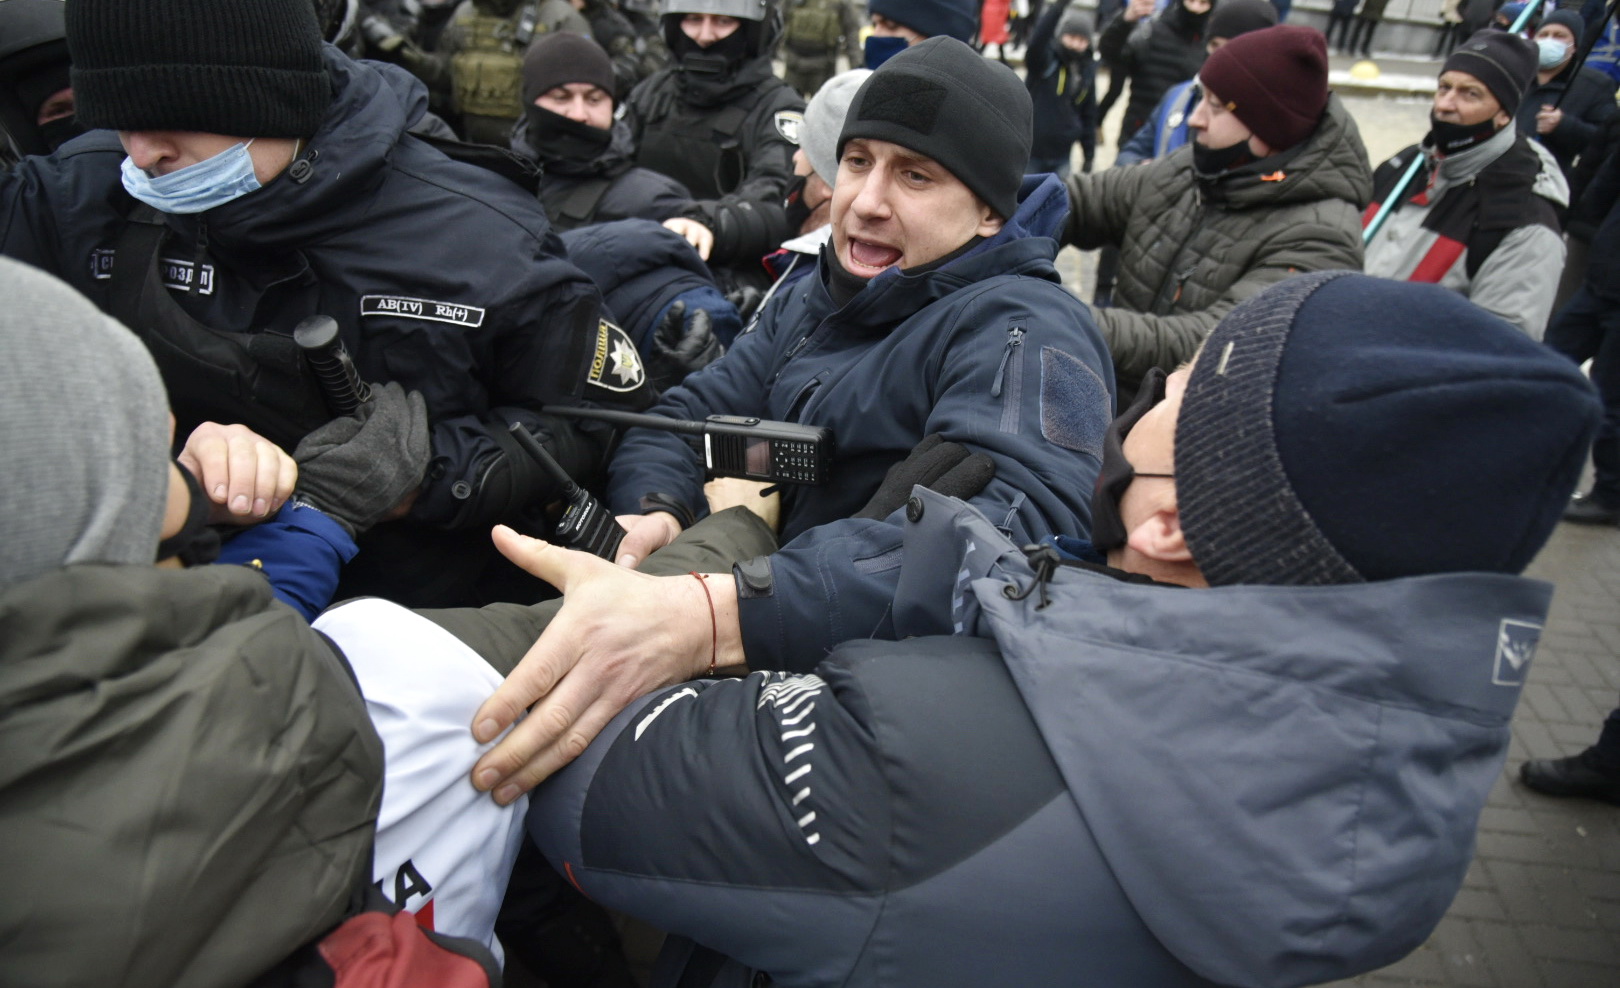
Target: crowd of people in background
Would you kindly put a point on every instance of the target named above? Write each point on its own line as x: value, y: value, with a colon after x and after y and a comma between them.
x: 387, y: 592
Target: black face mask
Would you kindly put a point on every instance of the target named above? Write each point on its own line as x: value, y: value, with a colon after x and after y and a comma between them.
x: 1450, y: 138
x: 1210, y: 162
x: 195, y: 543
x: 1107, y: 527
x: 554, y: 137
x: 720, y: 58
x: 61, y: 130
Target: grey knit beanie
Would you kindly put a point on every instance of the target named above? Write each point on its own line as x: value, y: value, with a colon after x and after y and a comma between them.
x: 85, y: 440
x: 824, y: 119
x: 1339, y: 428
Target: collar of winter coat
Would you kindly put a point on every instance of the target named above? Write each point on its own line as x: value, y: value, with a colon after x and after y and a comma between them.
x: 373, y: 104
x: 1285, y: 780
x: 1462, y: 168
x: 1330, y: 164
x: 1025, y: 245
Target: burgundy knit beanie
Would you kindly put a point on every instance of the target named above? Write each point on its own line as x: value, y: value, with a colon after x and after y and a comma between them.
x: 1274, y: 80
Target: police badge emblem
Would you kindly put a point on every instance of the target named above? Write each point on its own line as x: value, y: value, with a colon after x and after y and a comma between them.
x: 615, y: 364
x: 788, y: 123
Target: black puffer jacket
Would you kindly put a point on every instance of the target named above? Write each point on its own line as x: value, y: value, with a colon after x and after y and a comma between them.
x: 1155, y: 54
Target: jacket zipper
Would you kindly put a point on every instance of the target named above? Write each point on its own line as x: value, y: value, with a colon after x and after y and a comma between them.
x: 1015, y: 339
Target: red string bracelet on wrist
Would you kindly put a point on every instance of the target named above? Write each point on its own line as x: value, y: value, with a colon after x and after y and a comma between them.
x: 714, y: 622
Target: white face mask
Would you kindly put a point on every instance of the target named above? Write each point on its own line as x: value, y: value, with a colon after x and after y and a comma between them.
x: 195, y: 188
x: 1553, y: 52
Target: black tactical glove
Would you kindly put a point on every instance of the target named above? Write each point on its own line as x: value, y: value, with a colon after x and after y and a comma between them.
x: 356, y: 468
x: 682, y: 343
x: 947, y: 468
x: 746, y: 300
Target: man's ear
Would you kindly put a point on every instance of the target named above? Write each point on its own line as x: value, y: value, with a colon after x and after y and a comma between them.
x: 989, y: 223
x: 1160, y: 537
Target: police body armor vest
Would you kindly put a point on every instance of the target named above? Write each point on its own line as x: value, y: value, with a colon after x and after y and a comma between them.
x: 813, y: 27
x: 486, y: 72
x: 260, y: 380
x: 703, y: 153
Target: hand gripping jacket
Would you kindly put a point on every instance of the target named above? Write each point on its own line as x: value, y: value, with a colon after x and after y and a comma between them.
x: 1088, y: 769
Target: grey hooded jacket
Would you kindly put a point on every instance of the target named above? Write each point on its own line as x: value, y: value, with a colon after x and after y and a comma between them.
x: 1096, y: 781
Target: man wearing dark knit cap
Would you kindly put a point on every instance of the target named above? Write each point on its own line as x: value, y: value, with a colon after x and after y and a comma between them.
x: 1272, y: 184
x: 935, y: 310
x: 259, y: 177
x: 1481, y: 215
x: 1134, y: 780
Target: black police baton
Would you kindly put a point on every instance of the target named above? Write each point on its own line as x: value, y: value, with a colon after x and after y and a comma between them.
x: 340, y: 384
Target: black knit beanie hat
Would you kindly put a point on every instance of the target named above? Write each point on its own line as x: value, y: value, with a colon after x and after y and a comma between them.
x: 249, y: 68
x: 1339, y: 428
x: 1238, y: 17
x: 942, y: 99
x: 1503, y: 61
x: 563, y: 57
x: 957, y: 19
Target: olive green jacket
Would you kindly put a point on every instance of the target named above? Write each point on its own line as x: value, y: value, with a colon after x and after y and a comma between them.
x: 1191, y: 248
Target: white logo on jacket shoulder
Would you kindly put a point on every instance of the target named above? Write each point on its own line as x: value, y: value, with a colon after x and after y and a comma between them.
x: 788, y: 123
x: 615, y: 364
x: 1515, y: 646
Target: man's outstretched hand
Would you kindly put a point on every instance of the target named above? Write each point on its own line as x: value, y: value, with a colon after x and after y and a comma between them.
x: 619, y: 635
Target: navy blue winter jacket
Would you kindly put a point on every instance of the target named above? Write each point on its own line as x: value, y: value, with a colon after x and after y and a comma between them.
x: 441, y: 275
x: 1099, y: 781
x: 988, y: 350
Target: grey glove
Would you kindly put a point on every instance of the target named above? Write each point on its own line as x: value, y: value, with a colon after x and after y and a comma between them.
x: 935, y: 464
x: 358, y: 467
x: 682, y: 343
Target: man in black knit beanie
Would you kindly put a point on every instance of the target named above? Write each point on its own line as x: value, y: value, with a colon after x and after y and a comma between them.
x: 259, y: 177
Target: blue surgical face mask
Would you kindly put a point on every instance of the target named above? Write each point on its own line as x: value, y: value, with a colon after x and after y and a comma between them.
x: 1552, y: 54
x: 195, y: 188
x: 880, y: 50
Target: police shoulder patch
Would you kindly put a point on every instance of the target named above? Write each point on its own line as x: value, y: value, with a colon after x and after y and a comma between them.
x: 788, y: 123
x: 615, y: 364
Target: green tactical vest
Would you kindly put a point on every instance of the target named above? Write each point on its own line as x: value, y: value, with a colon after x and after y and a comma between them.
x: 813, y: 26
x: 486, y: 72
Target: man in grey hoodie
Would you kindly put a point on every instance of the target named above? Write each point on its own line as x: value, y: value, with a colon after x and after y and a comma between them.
x: 1272, y: 782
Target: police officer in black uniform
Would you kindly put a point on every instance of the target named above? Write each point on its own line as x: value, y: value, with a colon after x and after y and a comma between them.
x: 720, y: 123
x: 440, y: 275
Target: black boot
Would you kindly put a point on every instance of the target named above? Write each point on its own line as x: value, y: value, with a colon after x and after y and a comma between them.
x: 1583, y: 775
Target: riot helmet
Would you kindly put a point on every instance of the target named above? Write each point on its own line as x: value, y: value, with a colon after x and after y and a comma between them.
x: 759, y: 33
x: 34, y: 65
